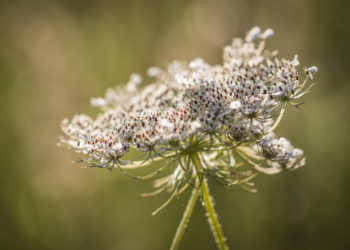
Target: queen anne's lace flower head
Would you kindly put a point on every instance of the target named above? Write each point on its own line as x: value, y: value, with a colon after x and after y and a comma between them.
x: 225, y: 114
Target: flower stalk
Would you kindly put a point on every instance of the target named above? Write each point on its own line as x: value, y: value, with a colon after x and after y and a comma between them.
x: 209, y: 206
x: 185, y: 219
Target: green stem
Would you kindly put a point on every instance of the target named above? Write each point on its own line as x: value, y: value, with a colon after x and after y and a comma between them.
x: 209, y: 206
x: 185, y: 219
x: 279, y: 118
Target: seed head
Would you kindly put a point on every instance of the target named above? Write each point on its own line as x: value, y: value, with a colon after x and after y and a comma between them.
x: 224, y: 113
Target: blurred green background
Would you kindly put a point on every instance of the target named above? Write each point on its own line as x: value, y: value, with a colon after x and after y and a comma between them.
x: 55, y: 55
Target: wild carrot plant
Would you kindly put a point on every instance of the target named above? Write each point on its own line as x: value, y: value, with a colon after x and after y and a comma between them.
x: 198, y: 122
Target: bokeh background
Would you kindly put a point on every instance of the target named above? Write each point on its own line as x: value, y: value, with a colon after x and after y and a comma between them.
x: 55, y: 55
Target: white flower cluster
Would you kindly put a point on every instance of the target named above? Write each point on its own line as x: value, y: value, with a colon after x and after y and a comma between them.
x: 220, y: 112
x: 280, y: 152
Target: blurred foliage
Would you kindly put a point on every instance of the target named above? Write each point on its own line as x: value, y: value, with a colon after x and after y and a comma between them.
x: 55, y: 55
